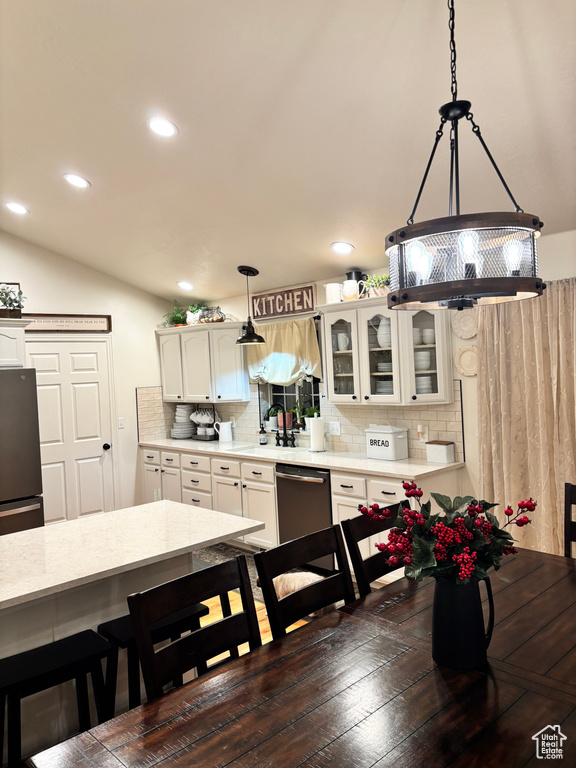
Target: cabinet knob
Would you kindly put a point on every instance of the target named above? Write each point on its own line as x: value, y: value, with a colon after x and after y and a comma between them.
x: 414, y: 397
x: 156, y: 470
x: 235, y: 485
x: 207, y: 397
x: 179, y: 397
x: 243, y: 485
x: 162, y: 470
x: 353, y: 397
x: 366, y: 397
x: 219, y: 397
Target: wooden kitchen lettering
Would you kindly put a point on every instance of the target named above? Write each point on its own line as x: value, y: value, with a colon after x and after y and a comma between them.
x: 292, y: 301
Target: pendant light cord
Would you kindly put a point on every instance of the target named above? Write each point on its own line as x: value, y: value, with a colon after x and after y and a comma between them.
x: 248, y: 297
x: 451, y: 24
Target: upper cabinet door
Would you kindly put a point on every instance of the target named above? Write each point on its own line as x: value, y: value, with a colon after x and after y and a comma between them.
x: 229, y: 374
x: 196, y: 365
x: 341, y: 345
x: 171, y: 366
x: 426, y: 338
x: 380, y: 380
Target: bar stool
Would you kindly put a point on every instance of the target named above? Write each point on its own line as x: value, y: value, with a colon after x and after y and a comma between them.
x: 39, y: 669
x: 120, y: 634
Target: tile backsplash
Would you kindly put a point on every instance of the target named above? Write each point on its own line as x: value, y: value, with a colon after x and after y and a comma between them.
x: 444, y: 422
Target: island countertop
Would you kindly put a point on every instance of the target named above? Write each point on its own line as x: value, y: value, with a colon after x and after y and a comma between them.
x: 49, y: 560
x: 405, y: 469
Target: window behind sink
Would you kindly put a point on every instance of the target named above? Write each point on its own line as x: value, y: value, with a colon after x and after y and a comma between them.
x: 308, y: 394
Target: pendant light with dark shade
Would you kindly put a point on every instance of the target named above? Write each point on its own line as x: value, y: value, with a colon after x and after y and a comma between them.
x: 462, y: 261
x: 249, y: 336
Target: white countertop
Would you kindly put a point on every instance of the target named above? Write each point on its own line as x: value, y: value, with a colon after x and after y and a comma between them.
x: 45, y: 561
x: 406, y: 469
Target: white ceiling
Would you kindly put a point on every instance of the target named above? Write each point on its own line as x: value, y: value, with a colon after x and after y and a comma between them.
x: 301, y: 122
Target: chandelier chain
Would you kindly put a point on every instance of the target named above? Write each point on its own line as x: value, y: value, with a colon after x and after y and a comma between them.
x: 451, y: 24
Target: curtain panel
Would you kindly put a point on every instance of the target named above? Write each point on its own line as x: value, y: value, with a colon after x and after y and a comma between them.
x: 527, y: 408
x: 290, y: 355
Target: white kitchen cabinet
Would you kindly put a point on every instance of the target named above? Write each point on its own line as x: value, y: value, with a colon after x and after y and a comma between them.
x: 377, y: 356
x: 152, y: 480
x: 12, y: 350
x: 203, y: 364
x: 171, y: 484
x: 161, y: 475
x: 227, y: 494
x: 259, y: 503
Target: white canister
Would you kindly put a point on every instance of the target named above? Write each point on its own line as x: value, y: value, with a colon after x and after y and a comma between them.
x: 440, y: 452
x: 387, y: 443
x: 350, y: 290
x: 333, y: 293
x: 224, y: 429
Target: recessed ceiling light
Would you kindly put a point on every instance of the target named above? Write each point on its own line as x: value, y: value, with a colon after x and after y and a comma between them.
x: 17, y: 208
x: 342, y: 248
x: 76, y: 181
x: 161, y: 126
x: 185, y: 285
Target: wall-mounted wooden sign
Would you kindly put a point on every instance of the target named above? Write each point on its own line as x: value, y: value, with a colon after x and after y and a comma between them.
x: 291, y: 301
x: 68, y: 323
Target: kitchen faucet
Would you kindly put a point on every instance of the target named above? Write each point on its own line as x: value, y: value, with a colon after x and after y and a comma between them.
x: 279, y: 407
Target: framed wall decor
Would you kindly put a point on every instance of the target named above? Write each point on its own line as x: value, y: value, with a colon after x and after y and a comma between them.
x: 46, y: 323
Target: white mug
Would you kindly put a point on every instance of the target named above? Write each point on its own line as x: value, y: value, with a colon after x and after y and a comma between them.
x: 201, y: 430
x: 333, y: 293
x: 343, y: 341
x: 224, y: 429
x: 351, y: 290
x: 210, y: 431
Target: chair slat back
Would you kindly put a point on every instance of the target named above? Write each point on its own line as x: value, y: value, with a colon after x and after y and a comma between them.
x: 569, y: 523
x: 161, y: 666
x: 295, y: 554
x: 374, y: 566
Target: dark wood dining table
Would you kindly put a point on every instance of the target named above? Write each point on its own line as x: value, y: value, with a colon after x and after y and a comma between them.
x: 358, y: 687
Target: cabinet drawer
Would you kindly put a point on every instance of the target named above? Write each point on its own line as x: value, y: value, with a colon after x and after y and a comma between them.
x: 196, y: 481
x: 348, y: 485
x: 226, y: 467
x: 197, y: 498
x: 150, y: 457
x: 197, y: 463
x: 385, y: 492
x: 170, y: 459
x: 264, y: 473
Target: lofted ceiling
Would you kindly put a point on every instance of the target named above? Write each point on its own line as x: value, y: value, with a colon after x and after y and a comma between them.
x: 300, y: 123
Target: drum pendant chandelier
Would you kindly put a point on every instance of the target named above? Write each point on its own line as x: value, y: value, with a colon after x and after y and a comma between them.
x: 462, y: 261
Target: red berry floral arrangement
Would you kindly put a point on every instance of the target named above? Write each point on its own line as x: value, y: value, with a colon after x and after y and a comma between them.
x: 461, y: 542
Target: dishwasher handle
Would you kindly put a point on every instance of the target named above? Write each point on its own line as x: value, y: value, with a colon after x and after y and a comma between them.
x: 301, y: 478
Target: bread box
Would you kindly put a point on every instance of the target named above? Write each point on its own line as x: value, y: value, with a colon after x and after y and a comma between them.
x: 386, y: 442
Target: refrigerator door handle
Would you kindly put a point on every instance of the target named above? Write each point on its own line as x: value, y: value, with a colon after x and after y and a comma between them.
x: 17, y: 510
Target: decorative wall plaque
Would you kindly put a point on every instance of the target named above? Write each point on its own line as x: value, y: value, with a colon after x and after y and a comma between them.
x: 291, y: 301
x: 68, y: 323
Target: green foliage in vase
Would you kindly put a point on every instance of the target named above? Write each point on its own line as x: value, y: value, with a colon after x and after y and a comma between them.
x: 377, y: 281
x: 10, y: 298
x: 177, y: 316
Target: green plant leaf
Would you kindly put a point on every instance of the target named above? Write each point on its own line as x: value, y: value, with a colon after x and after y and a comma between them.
x: 444, y: 502
x: 462, y: 501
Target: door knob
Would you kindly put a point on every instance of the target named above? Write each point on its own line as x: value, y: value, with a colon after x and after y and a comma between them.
x: 106, y: 447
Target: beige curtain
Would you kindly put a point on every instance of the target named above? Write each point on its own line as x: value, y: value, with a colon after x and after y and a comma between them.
x: 527, y: 407
x: 290, y: 354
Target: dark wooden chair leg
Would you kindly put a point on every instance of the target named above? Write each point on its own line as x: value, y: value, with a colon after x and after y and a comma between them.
x: 14, y: 732
x: 2, y: 722
x: 83, y: 703
x: 134, y: 696
x: 101, y: 693
x: 111, y: 680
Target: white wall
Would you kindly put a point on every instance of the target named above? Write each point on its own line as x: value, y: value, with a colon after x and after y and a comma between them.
x: 54, y: 284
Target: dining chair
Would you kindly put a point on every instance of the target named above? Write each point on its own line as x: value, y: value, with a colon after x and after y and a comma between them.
x: 120, y: 634
x: 569, y: 523
x: 358, y: 529
x: 337, y: 586
x: 36, y: 670
x: 164, y: 665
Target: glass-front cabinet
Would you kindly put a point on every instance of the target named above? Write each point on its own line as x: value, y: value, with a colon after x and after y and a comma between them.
x: 388, y: 357
x: 341, y: 339
x: 379, y: 365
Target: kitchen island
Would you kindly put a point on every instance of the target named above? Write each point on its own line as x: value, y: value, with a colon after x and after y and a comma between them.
x: 70, y: 576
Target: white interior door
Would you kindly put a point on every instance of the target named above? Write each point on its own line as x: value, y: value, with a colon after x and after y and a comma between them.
x: 75, y: 423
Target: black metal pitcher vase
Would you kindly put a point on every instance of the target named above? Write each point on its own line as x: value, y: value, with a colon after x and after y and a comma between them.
x: 459, y: 639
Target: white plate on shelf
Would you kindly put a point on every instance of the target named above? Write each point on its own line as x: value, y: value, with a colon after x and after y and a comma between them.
x: 464, y: 323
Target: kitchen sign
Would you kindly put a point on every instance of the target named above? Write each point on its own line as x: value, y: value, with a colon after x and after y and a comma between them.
x: 68, y: 323
x: 291, y: 301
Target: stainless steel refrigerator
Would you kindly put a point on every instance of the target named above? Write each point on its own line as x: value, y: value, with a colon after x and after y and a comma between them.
x: 21, y: 504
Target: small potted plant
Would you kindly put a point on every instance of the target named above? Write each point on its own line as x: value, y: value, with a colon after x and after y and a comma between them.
x: 310, y: 414
x: 298, y: 411
x: 11, y: 300
x: 193, y: 311
x: 177, y: 316
x: 377, y: 285
x: 273, y: 418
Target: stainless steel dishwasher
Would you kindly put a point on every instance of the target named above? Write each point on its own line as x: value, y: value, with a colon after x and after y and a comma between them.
x: 304, y: 505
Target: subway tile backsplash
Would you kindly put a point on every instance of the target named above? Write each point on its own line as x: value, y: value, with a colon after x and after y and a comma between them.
x: 444, y: 422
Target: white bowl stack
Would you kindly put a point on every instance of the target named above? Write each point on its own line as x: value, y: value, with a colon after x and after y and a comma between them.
x: 423, y: 385
x: 384, y: 387
x: 422, y: 359
x: 183, y: 427
x: 384, y: 367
